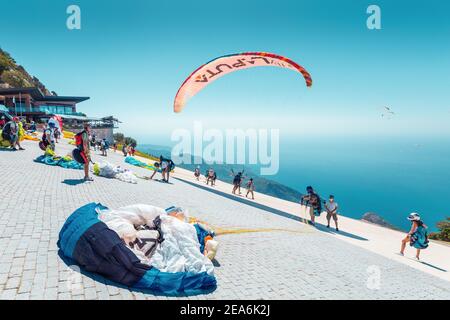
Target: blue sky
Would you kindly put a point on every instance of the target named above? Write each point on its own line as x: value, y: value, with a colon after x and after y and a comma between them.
x: 131, y: 57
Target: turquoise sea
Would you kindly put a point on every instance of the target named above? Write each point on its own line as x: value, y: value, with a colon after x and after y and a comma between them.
x: 391, y: 176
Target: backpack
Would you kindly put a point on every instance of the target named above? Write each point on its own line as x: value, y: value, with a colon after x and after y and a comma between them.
x: 7, y: 128
x: 79, y: 139
x: 314, y: 201
x: 44, y: 137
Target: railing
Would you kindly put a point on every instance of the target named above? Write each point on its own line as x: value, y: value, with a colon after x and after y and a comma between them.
x: 43, y: 109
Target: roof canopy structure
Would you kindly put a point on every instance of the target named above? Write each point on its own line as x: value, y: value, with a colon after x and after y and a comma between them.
x: 37, y: 94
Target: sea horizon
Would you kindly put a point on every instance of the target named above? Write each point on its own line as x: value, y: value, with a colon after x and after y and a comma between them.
x: 388, y: 176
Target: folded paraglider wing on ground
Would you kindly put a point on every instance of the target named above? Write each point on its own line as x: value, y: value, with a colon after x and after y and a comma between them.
x: 88, y: 241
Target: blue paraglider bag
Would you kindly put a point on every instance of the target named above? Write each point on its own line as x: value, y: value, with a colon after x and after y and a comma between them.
x: 419, y: 239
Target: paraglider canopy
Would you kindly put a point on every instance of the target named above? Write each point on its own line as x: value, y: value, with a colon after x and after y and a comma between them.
x: 223, y: 65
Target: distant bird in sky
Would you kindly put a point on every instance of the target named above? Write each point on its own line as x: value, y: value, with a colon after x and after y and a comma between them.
x: 387, y: 113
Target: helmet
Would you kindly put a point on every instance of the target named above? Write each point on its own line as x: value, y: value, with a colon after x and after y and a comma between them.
x: 414, y: 217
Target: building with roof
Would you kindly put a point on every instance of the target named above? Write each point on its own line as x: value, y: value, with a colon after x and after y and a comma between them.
x: 32, y: 104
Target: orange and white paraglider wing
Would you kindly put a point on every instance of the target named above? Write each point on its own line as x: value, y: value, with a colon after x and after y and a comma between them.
x: 221, y: 66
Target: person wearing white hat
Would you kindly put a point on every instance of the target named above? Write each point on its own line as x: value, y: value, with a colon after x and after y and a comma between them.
x: 417, y: 236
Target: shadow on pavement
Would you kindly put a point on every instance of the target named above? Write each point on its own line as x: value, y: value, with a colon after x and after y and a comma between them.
x: 323, y: 228
x: 433, y: 266
x: 215, y: 263
x: 73, y: 182
x: 271, y: 210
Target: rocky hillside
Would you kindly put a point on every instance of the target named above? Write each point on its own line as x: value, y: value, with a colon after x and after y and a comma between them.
x: 374, y: 218
x: 13, y: 75
x: 263, y: 185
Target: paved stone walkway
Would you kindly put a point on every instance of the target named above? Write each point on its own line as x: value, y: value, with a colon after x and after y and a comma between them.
x: 302, y: 264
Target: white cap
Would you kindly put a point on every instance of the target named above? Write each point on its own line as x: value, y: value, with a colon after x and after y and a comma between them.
x: 414, y: 217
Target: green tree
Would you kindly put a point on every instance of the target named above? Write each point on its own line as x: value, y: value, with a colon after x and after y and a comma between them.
x: 444, y: 231
x: 5, y: 61
x: 130, y: 141
x: 119, y: 137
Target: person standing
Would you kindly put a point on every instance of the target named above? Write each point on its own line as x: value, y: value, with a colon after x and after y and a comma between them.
x: 312, y: 200
x: 49, y: 135
x: 103, y: 147
x: 331, y: 206
x: 417, y: 235
x: 33, y: 127
x: 85, y: 150
x: 210, y: 177
x: 197, y: 173
x: 20, y: 134
x: 237, y: 180
x: 214, y: 178
x: 250, y: 188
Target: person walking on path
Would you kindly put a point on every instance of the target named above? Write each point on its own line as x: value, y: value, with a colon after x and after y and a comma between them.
x: 214, y: 178
x: 197, y: 173
x: 210, y: 177
x: 104, y: 147
x: 331, y: 207
x: 417, y: 236
x: 312, y: 200
x: 250, y: 188
x: 237, y: 180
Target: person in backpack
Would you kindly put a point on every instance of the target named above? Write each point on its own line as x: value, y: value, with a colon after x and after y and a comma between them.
x: 82, y: 142
x: 103, y: 147
x: 48, y: 136
x: 167, y: 165
x: 32, y: 127
x: 10, y: 133
x: 214, y: 178
x: 197, y: 173
x: 417, y: 235
x: 210, y: 177
x: 237, y: 180
x: 312, y: 200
